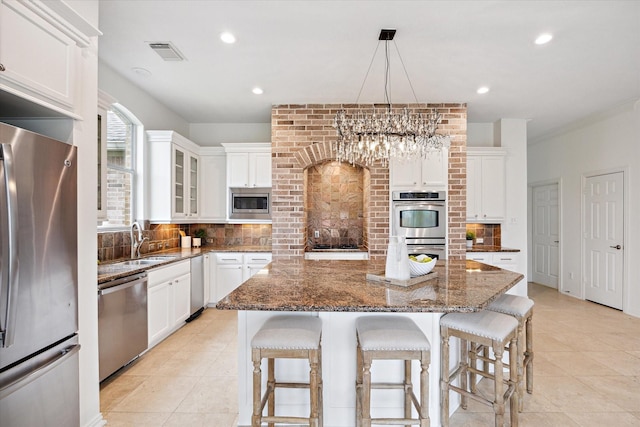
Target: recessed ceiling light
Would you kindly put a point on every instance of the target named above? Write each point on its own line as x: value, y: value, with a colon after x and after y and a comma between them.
x: 141, y: 71
x: 483, y: 90
x: 228, y: 38
x: 544, y: 38
x: 257, y: 91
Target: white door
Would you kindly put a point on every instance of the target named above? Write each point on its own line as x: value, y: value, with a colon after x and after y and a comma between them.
x: 546, y: 256
x: 603, y: 243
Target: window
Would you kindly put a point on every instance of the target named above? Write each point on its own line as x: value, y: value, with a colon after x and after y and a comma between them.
x: 120, y: 168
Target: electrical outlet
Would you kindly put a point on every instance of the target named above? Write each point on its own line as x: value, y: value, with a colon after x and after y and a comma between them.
x: 479, y: 240
x: 152, y: 246
x: 316, y: 234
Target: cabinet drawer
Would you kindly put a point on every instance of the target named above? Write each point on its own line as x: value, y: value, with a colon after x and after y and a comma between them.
x: 480, y: 257
x: 257, y: 258
x: 505, y: 258
x: 170, y: 272
x: 229, y: 258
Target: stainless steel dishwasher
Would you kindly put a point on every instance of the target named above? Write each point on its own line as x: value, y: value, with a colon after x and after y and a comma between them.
x: 122, y: 322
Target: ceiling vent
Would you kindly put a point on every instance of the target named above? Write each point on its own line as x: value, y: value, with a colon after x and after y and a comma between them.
x: 167, y: 51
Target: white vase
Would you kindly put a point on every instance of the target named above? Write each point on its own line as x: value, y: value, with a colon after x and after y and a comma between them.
x: 469, y: 243
x: 397, y: 266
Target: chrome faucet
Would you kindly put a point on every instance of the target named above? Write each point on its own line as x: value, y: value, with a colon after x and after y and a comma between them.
x: 136, y: 240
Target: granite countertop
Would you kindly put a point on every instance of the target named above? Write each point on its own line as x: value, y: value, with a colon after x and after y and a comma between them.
x: 490, y: 248
x: 313, y: 285
x: 114, y: 270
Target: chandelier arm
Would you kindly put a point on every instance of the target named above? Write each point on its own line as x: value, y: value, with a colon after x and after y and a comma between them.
x: 406, y: 73
x: 368, y: 70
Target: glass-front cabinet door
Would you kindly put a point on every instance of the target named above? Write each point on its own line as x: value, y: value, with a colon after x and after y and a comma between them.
x: 178, y: 182
x: 193, y: 185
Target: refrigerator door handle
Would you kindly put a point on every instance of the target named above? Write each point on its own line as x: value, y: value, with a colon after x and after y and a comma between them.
x: 9, y: 228
x: 39, y: 372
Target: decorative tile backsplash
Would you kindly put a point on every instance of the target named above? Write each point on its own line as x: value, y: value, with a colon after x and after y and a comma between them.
x: 489, y: 233
x: 334, y: 204
x: 117, y: 244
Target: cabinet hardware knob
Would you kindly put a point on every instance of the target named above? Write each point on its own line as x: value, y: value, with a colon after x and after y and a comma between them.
x: 2, y: 67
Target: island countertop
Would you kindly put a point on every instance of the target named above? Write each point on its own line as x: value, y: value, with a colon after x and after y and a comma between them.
x: 341, y: 286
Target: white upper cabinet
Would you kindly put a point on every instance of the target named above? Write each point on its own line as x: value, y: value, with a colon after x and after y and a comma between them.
x: 40, y: 52
x: 173, y: 186
x: 430, y: 173
x: 213, y: 180
x: 486, y: 185
x: 248, y: 164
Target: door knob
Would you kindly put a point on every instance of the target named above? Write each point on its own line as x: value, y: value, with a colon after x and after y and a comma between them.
x: 616, y: 247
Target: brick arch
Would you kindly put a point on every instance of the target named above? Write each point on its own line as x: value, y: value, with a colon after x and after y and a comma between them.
x: 319, y: 152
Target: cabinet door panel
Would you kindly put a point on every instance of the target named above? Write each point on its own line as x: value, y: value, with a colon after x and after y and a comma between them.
x: 435, y: 170
x: 473, y: 186
x: 405, y: 174
x: 493, y: 188
x: 158, y: 300
x: 238, y: 169
x: 260, y: 170
x: 44, y: 59
x: 213, y: 200
x: 193, y: 185
x: 228, y: 277
x: 179, y: 181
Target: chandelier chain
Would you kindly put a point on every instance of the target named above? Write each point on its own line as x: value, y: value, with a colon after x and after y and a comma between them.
x: 369, y: 137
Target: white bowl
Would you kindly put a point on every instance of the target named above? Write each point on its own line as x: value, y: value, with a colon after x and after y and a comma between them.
x: 421, y: 268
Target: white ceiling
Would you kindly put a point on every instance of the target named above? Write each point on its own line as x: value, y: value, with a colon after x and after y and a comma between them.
x: 319, y: 52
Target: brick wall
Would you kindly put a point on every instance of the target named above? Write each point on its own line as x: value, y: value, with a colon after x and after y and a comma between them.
x: 303, y: 136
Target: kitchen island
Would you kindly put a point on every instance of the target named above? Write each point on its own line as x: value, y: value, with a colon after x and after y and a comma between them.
x: 338, y: 292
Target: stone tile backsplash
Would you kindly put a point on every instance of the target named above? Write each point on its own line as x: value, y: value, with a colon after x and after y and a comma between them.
x: 113, y: 245
x: 334, y: 205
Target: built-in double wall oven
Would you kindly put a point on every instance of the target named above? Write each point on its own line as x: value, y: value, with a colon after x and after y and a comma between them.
x: 421, y: 217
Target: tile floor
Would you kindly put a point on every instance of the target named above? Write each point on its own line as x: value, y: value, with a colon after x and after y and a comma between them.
x: 586, y: 368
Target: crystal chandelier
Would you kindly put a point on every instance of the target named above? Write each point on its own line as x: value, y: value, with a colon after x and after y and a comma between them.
x: 367, y: 137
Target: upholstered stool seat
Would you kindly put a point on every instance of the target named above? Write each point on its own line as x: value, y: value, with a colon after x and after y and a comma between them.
x: 491, y: 329
x: 288, y: 337
x: 391, y: 338
x: 522, y: 309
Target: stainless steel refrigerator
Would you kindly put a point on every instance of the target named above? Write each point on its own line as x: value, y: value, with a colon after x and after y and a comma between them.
x: 38, y: 281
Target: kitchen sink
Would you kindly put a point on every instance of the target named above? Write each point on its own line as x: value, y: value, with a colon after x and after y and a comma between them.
x: 144, y: 261
x: 159, y: 258
x: 117, y: 267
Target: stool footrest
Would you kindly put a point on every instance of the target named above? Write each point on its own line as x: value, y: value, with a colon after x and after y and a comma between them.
x: 291, y: 385
x: 285, y: 420
x: 394, y: 421
x: 388, y: 385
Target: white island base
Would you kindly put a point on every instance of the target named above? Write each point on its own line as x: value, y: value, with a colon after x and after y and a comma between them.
x: 339, y: 370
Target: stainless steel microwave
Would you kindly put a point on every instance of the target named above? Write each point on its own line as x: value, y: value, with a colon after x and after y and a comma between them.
x: 250, y: 203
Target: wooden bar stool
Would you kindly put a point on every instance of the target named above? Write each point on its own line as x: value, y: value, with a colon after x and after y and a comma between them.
x: 391, y: 338
x: 522, y: 309
x: 490, y: 329
x: 287, y: 337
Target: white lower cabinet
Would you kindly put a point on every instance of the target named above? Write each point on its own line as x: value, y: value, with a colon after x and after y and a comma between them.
x: 230, y: 269
x: 168, y: 300
x: 504, y: 260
